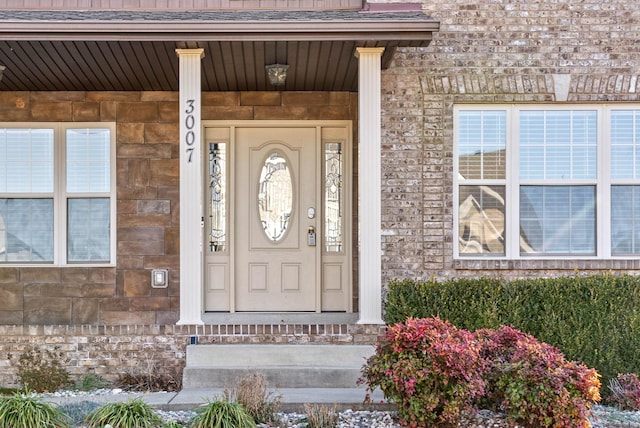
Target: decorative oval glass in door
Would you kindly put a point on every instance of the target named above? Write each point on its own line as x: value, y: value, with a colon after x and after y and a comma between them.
x: 275, y: 196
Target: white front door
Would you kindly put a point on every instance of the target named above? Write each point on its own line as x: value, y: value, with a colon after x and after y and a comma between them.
x: 275, y: 262
x: 277, y: 220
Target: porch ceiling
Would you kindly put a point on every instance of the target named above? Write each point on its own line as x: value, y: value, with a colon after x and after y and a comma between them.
x: 135, y: 51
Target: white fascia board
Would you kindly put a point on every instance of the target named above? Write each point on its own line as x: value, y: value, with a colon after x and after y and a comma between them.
x: 227, y: 30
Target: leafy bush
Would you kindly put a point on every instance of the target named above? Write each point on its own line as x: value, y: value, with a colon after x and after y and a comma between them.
x: 430, y: 369
x: 90, y: 382
x: 467, y: 303
x: 26, y: 410
x: 4, y: 390
x: 251, y: 392
x: 625, y: 391
x: 76, y: 413
x: 593, y: 319
x: 222, y: 414
x: 321, y: 416
x: 42, y: 370
x: 435, y: 372
x: 533, y: 383
x: 129, y: 414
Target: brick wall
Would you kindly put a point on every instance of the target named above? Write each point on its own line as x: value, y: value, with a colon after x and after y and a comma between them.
x: 110, y: 351
x: 489, y: 51
x: 147, y: 162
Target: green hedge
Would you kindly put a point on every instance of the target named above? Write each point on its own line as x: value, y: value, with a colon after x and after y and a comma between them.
x: 593, y: 319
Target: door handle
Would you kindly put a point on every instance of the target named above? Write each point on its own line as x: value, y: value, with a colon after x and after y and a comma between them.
x: 311, y: 236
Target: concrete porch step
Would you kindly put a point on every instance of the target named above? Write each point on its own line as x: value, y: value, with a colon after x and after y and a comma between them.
x: 291, y: 399
x: 284, y: 366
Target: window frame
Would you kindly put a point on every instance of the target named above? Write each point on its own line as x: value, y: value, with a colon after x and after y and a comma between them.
x: 61, y: 197
x: 512, y: 181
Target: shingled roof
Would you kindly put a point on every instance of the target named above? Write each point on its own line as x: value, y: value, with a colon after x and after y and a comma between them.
x: 211, y: 15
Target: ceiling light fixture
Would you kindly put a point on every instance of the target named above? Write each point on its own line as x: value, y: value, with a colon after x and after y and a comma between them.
x: 277, y: 73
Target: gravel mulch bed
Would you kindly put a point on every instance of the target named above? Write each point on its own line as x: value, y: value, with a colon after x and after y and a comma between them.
x: 603, y: 416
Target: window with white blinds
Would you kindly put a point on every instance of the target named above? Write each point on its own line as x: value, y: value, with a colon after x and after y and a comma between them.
x: 547, y: 181
x: 625, y: 181
x: 57, y: 193
x: 557, y: 145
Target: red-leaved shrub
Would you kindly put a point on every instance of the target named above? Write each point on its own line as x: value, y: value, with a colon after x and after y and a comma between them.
x: 435, y: 372
x: 625, y: 391
x: 533, y: 383
x: 430, y: 369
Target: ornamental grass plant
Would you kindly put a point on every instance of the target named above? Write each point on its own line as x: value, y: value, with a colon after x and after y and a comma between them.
x: 321, y: 416
x: 148, y: 375
x: 222, y: 414
x: 26, y: 410
x: 130, y: 414
x: 251, y: 391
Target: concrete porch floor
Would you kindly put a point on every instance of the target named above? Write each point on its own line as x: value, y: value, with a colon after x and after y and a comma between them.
x: 280, y: 318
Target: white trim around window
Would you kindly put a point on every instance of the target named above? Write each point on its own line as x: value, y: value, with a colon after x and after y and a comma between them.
x: 540, y: 181
x: 58, y: 191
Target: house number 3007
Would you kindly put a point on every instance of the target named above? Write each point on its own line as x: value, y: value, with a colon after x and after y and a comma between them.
x: 189, y: 123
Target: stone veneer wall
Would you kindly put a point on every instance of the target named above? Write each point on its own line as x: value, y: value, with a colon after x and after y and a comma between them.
x: 147, y: 163
x: 108, y: 320
x: 489, y: 52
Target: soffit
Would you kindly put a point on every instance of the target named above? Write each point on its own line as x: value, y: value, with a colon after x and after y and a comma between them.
x: 135, y: 50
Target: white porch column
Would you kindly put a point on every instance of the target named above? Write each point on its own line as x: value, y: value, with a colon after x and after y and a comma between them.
x: 369, y: 186
x: 190, y: 187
